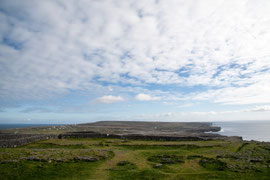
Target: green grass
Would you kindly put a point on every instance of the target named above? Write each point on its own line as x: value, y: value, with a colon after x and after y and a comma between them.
x: 213, y: 164
x: 162, y: 146
x: 166, y: 159
x: 131, y: 172
x: 136, y: 159
x: 45, y: 170
x: 52, y: 145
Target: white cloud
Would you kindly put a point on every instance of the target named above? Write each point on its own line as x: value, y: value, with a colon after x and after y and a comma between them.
x: 265, y: 108
x: 109, y: 99
x: 145, y: 97
x: 61, y: 46
x: 255, y: 113
x: 186, y: 105
x: 257, y: 93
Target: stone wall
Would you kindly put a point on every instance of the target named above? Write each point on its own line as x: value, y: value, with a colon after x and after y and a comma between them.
x: 87, y: 134
x: 14, y: 140
x: 91, y: 134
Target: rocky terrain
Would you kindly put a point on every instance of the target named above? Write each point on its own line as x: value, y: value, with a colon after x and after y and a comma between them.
x: 168, y: 131
x: 121, y: 159
x: 14, y: 140
x: 124, y: 128
x: 130, y: 150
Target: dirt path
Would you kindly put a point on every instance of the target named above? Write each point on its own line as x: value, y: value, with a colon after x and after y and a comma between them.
x: 102, y: 172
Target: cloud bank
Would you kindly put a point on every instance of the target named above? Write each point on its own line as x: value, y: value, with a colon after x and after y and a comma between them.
x: 109, y: 99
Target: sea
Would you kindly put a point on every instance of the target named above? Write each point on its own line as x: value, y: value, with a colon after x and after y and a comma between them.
x: 11, y: 126
x: 249, y: 130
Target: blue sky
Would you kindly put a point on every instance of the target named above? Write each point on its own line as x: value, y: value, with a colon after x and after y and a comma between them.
x: 169, y: 60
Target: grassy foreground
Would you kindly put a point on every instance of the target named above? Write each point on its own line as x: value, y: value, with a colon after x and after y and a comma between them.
x: 133, y: 159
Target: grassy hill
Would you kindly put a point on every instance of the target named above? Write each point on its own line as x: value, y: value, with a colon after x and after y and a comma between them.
x: 106, y: 158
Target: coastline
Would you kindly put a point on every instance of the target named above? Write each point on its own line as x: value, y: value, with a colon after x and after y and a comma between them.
x: 249, y: 130
x: 164, y: 131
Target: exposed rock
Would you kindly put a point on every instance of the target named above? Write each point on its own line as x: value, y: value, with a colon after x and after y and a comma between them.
x: 158, y: 165
x: 122, y: 163
x: 166, y: 159
x: 15, y: 140
x: 32, y: 158
x: 164, y: 131
x: 194, y: 156
x: 87, y: 159
x: 254, y: 160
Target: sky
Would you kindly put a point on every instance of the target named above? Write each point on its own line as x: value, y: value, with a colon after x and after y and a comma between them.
x: 80, y: 61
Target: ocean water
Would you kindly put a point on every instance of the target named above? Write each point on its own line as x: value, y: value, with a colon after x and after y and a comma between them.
x: 249, y: 130
x: 10, y: 126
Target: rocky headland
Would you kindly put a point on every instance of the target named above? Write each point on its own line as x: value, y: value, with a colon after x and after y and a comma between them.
x: 169, y: 131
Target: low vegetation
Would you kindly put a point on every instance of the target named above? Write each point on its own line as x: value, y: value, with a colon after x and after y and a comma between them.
x: 116, y: 159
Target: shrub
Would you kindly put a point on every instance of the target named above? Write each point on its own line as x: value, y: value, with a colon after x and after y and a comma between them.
x: 166, y: 159
x: 213, y: 164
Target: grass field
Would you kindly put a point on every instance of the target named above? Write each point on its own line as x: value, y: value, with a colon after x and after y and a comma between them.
x: 118, y: 159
